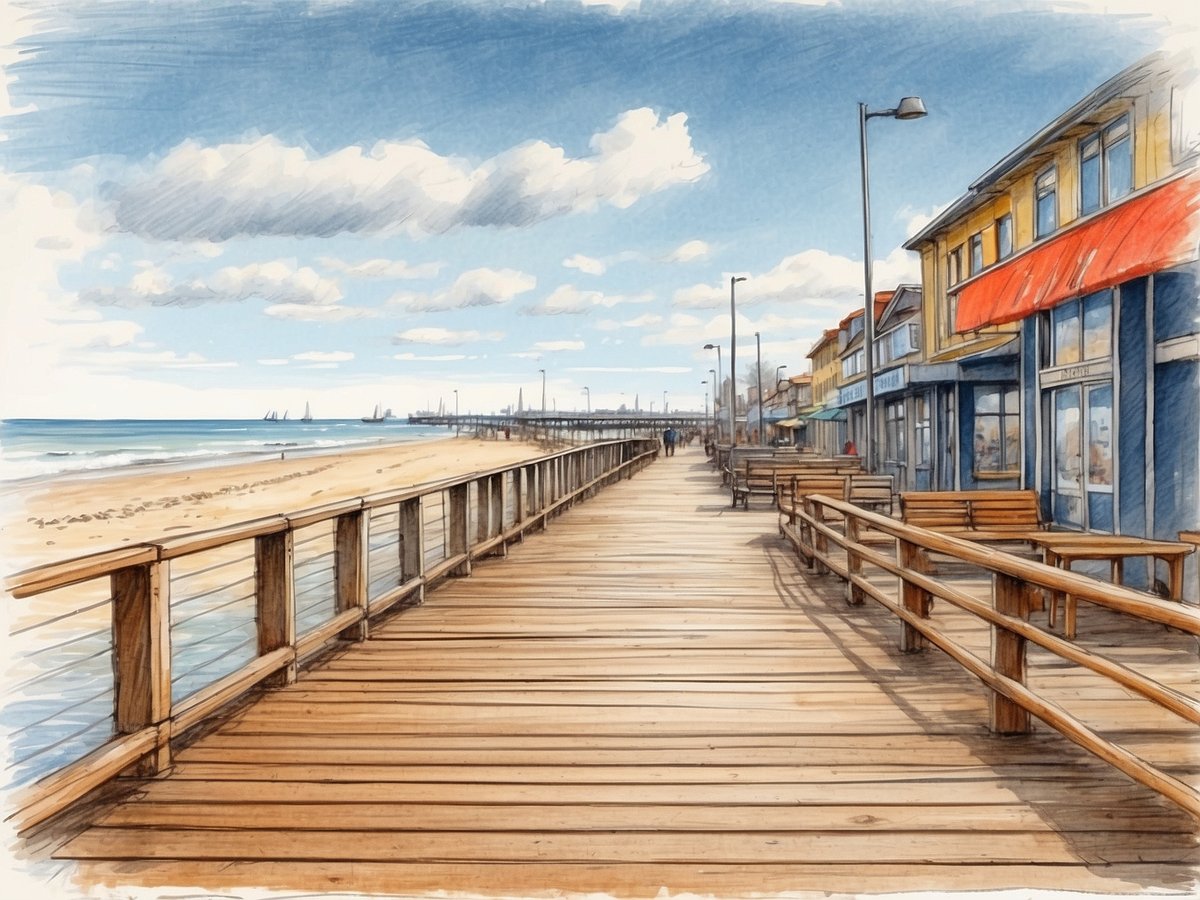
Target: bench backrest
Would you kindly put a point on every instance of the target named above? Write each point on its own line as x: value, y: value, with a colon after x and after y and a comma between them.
x: 871, y: 491
x: 828, y: 483
x: 1015, y: 511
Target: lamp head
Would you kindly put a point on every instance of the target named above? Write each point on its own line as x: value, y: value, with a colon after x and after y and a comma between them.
x: 910, y: 108
x: 710, y: 346
x: 738, y: 278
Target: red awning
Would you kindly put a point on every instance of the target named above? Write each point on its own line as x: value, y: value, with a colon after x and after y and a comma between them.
x: 1153, y: 231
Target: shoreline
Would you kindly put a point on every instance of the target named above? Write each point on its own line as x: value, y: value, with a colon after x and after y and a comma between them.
x: 64, y: 517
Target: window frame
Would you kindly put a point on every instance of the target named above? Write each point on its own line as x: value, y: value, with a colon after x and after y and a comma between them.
x: 1098, y: 146
x: 1048, y: 192
x: 1006, y: 468
x: 1004, y: 225
x: 975, y: 253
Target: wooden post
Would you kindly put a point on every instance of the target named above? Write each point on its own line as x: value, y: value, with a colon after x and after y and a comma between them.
x: 520, y: 486
x: 275, y: 595
x: 915, y: 599
x: 483, y: 509
x: 497, y: 523
x: 141, y: 635
x: 350, y: 570
x: 412, y: 544
x: 854, y: 594
x: 1008, y: 657
x: 458, y: 537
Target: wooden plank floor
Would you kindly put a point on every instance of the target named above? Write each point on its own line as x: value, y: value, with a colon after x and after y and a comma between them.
x: 653, y: 695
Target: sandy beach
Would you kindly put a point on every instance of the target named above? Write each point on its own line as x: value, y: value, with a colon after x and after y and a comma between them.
x: 58, y: 519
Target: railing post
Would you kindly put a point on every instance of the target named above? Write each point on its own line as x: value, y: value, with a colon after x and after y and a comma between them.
x: 854, y: 594
x: 141, y: 634
x: 412, y: 543
x: 458, y: 538
x: 275, y: 593
x: 483, y: 509
x: 520, y: 486
x: 1008, y: 656
x: 913, y: 598
x: 350, y: 570
x: 497, y: 521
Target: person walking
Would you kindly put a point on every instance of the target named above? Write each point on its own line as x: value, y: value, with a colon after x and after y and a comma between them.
x: 669, y: 441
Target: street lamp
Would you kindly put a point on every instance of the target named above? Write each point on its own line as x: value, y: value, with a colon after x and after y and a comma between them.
x: 543, y: 371
x: 457, y: 424
x: 762, y: 433
x: 588, y: 391
x: 909, y: 108
x: 778, y: 369
x: 733, y: 361
x: 664, y: 403
x: 705, y: 383
x: 717, y: 391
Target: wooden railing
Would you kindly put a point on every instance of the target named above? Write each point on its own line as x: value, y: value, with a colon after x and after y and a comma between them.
x: 1017, y: 586
x: 362, y: 556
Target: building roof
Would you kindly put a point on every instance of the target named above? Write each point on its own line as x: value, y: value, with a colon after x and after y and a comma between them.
x: 980, y: 188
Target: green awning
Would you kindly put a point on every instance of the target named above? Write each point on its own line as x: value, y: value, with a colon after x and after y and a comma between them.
x: 833, y: 414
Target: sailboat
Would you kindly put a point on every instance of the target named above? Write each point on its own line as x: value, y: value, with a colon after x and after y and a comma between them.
x: 271, y: 416
x: 307, y: 417
x: 377, y: 416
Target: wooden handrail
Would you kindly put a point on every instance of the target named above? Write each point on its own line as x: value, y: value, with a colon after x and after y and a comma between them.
x: 1012, y: 701
x: 146, y: 718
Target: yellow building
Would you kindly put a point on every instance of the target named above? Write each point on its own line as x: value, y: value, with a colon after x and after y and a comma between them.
x: 1074, y: 257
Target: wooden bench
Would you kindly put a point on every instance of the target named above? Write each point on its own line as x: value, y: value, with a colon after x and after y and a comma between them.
x: 773, y: 477
x: 984, y: 516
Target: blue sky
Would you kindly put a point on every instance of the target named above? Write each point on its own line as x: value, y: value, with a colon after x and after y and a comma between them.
x: 215, y: 209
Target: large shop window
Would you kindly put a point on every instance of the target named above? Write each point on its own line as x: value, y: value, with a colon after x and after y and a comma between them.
x: 1083, y: 467
x: 1081, y: 330
x: 893, y: 429
x: 997, y: 430
x: 921, y: 439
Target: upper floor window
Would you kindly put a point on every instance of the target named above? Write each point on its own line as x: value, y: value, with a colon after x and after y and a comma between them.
x: 1046, y: 202
x: 954, y: 265
x: 976, y: 252
x: 1105, y: 166
x: 852, y: 364
x: 1004, y: 236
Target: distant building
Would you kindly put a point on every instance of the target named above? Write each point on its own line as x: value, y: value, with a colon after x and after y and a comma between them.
x: 826, y: 432
x: 1076, y: 254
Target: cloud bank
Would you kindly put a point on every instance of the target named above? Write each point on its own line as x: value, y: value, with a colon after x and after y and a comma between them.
x: 265, y: 187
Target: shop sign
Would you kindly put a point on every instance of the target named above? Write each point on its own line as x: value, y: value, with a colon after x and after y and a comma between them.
x: 1084, y: 371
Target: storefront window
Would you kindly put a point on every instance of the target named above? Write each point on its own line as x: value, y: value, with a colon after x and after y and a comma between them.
x: 1066, y: 334
x: 1100, y: 448
x: 893, y: 426
x: 997, y: 429
x: 1097, y: 326
x: 921, y: 439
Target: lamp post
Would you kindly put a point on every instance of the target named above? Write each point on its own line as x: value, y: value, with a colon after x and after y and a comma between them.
x: 778, y: 369
x: 908, y: 108
x: 543, y: 371
x: 717, y: 398
x: 705, y: 383
x: 588, y: 391
x: 734, y: 279
x: 457, y: 424
x: 716, y: 387
x: 664, y: 403
x: 762, y: 433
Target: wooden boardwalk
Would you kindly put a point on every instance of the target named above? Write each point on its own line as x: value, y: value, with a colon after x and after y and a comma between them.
x: 652, y: 694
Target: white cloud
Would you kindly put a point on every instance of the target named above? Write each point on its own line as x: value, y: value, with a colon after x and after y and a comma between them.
x: 444, y: 336
x: 621, y: 370
x: 381, y: 268
x: 264, y: 187
x: 558, y: 346
x: 916, y: 219
x: 444, y: 357
x: 569, y: 300
x: 585, y: 264
x: 472, y: 289
x: 647, y: 321
x: 320, y: 356
x: 273, y: 362
x: 813, y: 278
x: 302, y: 312
x: 278, y: 283
x: 689, y: 252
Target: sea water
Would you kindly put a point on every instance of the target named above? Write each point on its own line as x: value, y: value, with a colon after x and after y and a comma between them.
x: 40, y: 448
